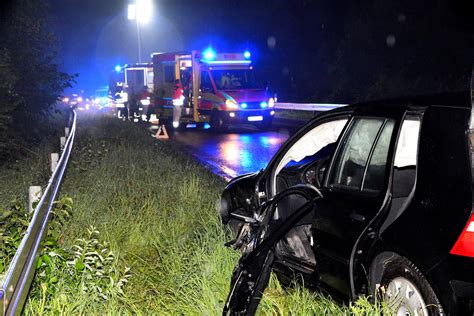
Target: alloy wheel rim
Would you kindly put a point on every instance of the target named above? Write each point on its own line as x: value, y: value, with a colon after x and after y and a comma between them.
x: 405, y: 298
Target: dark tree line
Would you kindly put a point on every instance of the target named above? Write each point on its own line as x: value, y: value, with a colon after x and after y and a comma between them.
x: 349, y: 51
x: 396, y: 48
x: 30, y: 79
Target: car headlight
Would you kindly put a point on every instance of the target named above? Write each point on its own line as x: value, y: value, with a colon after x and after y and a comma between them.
x: 271, y: 102
x: 145, y: 102
x: 231, y: 104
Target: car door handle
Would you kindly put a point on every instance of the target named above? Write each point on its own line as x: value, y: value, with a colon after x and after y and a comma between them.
x: 357, y: 217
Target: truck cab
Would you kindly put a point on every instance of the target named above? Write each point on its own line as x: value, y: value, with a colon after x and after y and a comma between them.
x: 219, y: 89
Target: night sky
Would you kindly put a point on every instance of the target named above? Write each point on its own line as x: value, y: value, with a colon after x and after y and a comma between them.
x: 303, y: 49
x: 96, y: 35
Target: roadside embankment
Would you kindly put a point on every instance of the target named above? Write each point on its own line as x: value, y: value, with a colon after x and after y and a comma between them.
x: 155, y: 210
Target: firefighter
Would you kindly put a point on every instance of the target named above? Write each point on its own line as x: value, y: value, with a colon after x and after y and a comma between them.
x: 145, y: 103
x: 132, y: 104
x: 125, y: 95
x: 178, y: 101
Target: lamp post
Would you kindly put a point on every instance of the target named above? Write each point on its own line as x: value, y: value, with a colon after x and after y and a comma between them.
x: 140, y: 11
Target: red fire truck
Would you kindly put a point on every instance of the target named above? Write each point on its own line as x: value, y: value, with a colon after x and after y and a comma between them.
x: 219, y: 89
x: 131, y: 82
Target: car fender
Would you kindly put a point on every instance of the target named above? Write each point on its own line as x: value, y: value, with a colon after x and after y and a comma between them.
x: 377, y: 268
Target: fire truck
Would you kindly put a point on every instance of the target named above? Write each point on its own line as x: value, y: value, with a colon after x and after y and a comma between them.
x: 132, y: 82
x: 219, y: 89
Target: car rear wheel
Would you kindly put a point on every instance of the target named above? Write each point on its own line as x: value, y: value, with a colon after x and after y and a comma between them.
x: 407, y: 291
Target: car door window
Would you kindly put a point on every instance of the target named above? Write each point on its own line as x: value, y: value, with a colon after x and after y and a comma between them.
x: 375, y: 176
x: 404, y: 171
x: 359, y: 164
x: 315, y: 145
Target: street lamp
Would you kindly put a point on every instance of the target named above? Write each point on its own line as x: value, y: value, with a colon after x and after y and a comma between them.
x: 140, y: 11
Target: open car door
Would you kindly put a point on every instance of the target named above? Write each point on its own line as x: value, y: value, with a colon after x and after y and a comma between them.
x: 251, y: 275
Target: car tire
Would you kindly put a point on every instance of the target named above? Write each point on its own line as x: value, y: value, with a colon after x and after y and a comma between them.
x: 403, y: 285
x: 218, y: 123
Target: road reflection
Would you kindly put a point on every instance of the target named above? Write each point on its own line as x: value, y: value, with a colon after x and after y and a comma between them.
x: 232, y: 154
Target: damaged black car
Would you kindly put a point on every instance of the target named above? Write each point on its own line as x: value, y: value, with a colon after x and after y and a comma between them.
x: 367, y: 196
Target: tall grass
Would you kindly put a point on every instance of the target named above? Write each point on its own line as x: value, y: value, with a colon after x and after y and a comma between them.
x: 27, y: 160
x: 156, y: 208
x: 26, y: 164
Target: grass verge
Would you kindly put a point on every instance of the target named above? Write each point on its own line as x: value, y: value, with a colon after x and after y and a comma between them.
x: 30, y: 166
x: 155, y: 210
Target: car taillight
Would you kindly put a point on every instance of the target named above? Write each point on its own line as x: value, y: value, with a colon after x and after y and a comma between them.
x: 464, y: 246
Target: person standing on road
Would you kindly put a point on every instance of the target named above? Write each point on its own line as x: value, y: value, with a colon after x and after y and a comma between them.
x: 178, y: 101
x: 125, y: 98
x: 130, y: 103
x: 145, y: 103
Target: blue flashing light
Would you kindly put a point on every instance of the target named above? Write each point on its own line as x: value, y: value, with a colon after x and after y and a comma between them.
x: 206, y: 126
x: 247, y: 54
x: 243, y: 105
x: 209, y: 54
x: 263, y: 104
x: 118, y: 68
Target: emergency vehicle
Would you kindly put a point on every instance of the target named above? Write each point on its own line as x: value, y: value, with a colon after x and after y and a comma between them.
x: 132, y: 82
x: 219, y: 89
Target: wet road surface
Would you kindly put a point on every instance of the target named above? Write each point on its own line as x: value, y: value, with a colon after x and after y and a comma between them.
x: 236, y: 152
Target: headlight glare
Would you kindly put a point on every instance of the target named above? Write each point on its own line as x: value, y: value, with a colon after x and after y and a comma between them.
x: 231, y: 104
x: 271, y: 102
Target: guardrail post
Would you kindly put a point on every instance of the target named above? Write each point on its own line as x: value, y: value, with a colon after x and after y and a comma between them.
x: 54, y: 161
x: 62, y: 142
x: 34, y: 195
x: 66, y: 131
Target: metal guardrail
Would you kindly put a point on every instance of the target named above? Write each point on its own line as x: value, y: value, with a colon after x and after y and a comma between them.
x: 15, y: 285
x: 307, y: 106
x: 297, y: 122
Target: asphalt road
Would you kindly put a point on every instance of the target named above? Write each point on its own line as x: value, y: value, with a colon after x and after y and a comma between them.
x: 236, y: 152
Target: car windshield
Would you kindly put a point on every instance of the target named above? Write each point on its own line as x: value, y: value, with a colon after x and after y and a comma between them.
x: 234, y: 79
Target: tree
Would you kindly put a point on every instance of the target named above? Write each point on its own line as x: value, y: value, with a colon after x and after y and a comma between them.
x: 31, y: 80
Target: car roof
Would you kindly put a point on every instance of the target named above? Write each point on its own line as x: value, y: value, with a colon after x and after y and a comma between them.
x: 451, y: 99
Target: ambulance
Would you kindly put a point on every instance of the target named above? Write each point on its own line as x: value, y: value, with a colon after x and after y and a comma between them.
x: 219, y: 89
